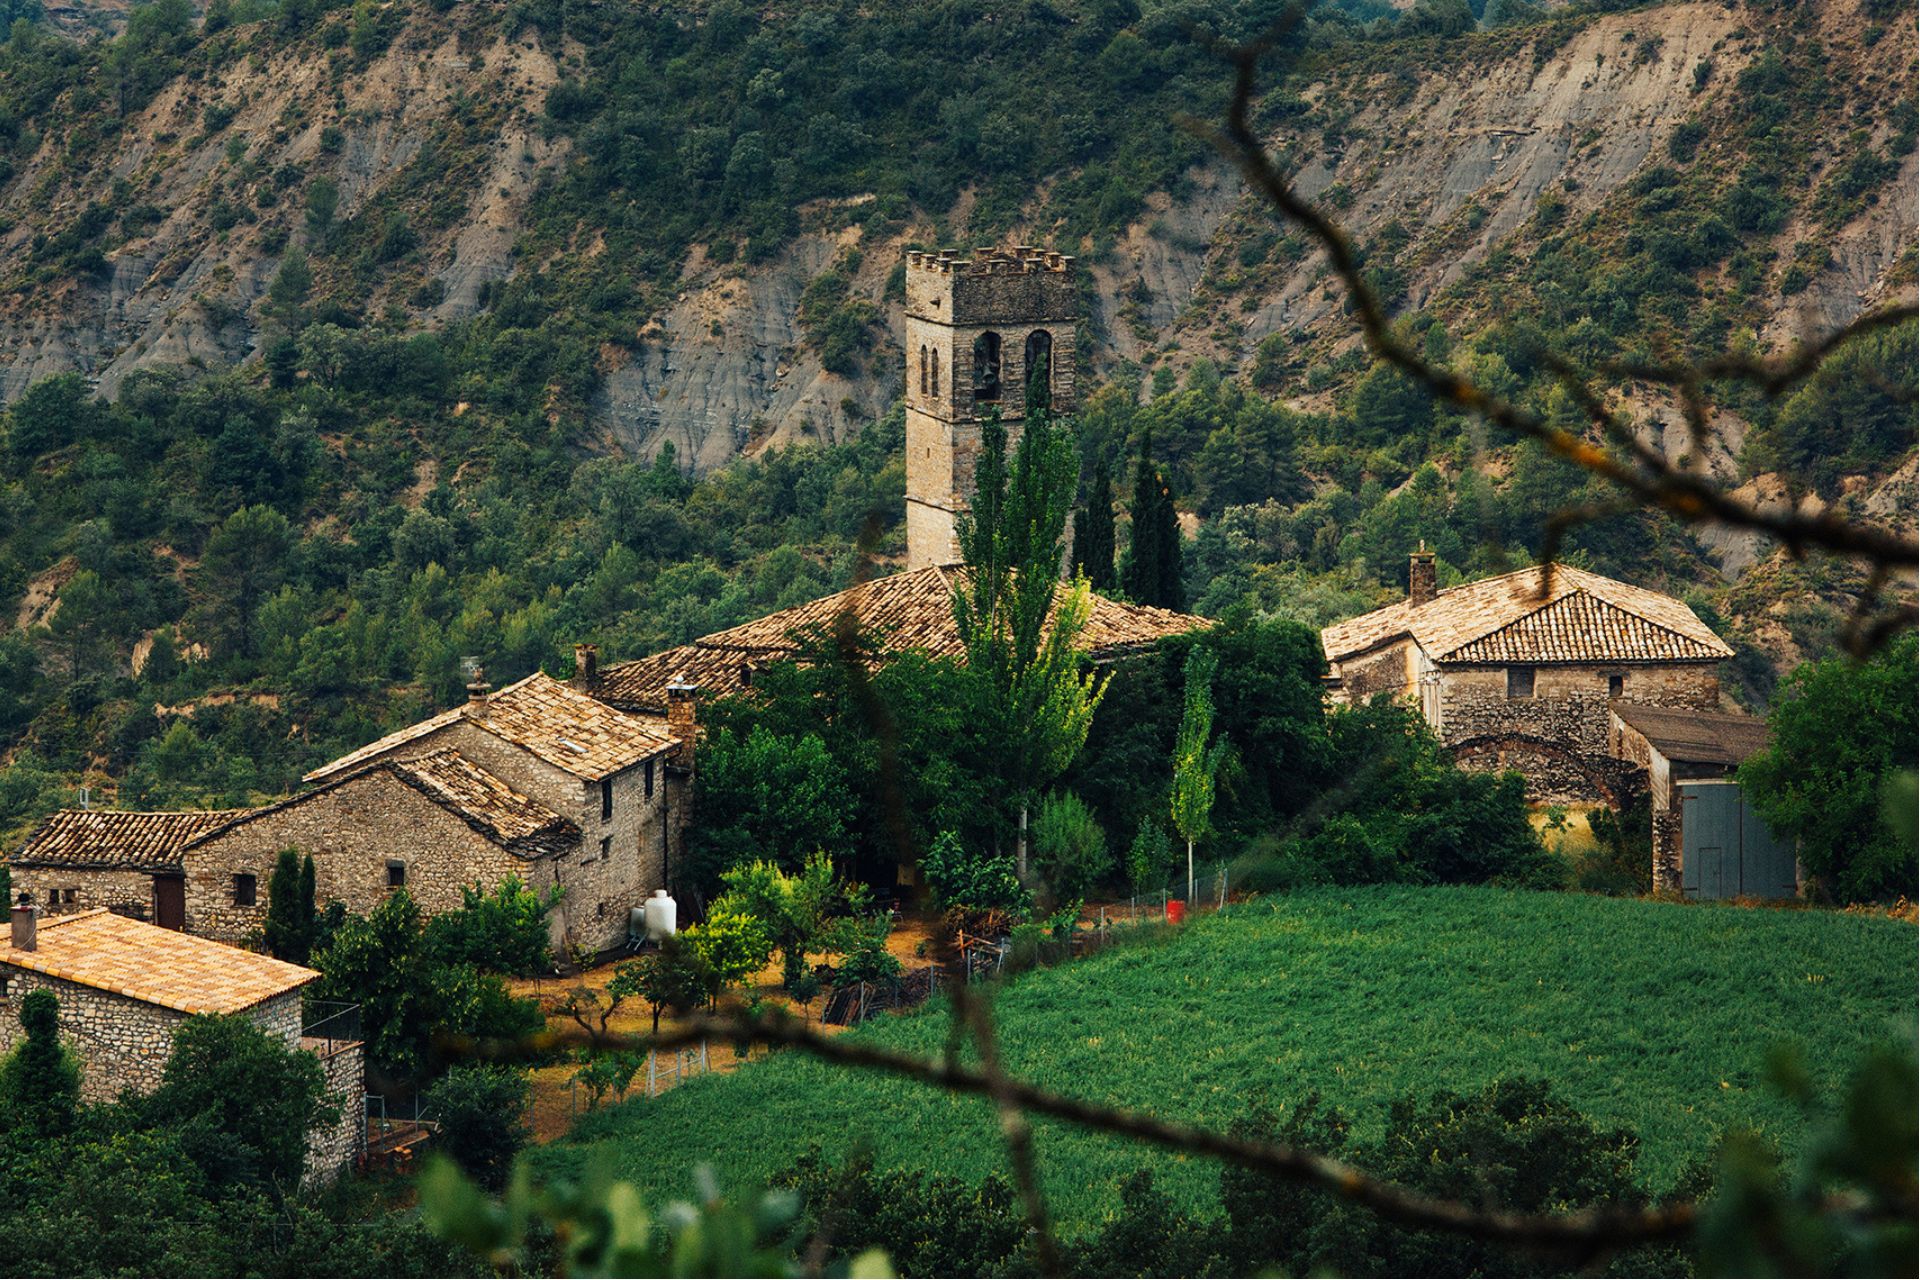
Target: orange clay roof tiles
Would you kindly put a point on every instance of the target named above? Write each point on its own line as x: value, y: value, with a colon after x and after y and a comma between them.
x: 906, y: 611
x: 153, y: 965
x: 1578, y: 617
x: 110, y: 839
x: 568, y: 729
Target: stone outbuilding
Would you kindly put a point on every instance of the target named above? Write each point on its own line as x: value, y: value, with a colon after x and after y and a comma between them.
x: 433, y: 824
x: 1520, y: 671
x: 80, y: 859
x: 548, y: 782
x: 124, y: 987
x: 1707, y: 840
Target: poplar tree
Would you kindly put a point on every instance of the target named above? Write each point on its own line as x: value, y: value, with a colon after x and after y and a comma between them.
x: 1195, y: 761
x: 1017, y: 620
x: 1153, y: 562
x: 1093, y: 543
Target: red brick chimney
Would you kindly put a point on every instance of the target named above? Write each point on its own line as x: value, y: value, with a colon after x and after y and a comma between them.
x: 683, y: 720
x: 1421, y: 586
x: 26, y: 925
x: 586, y: 667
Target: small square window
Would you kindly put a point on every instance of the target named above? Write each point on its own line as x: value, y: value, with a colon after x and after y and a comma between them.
x: 1519, y: 682
x: 70, y: 896
x: 396, y: 874
x: 53, y: 897
x: 6, y: 985
x: 246, y: 890
x: 1616, y: 685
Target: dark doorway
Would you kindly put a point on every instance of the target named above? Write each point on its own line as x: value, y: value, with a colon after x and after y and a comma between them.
x: 170, y: 902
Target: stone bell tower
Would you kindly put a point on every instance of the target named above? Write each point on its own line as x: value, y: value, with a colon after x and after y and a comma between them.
x: 983, y: 333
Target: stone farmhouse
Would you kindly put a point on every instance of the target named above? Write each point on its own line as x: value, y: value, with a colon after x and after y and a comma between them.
x: 80, y: 859
x: 1522, y: 671
x: 124, y: 987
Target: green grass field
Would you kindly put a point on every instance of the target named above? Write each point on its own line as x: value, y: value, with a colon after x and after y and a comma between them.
x: 1653, y: 1016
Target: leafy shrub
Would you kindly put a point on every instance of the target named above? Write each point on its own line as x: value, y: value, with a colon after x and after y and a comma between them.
x: 1621, y: 857
x: 1843, y: 732
x: 500, y: 932
x: 973, y: 882
x: 1149, y: 856
x: 1069, y: 848
x: 480, y: 1110
x: 241, y: 1101
x: 729, y: 947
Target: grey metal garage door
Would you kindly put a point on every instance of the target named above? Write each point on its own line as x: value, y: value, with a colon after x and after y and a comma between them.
x: 1726, y: 851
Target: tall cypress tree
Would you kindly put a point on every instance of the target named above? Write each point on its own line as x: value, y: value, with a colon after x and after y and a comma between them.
x: 39, y: 1081
x: 289, y: 927
x: 1093, y: 533
x: 1153, y: 564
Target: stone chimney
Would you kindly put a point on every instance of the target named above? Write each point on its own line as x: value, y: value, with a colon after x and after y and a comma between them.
x: 1420, y: 576
x: 26, y: 925
x: 586, y: 667
x: 477, y: 691
x: 683, y: 720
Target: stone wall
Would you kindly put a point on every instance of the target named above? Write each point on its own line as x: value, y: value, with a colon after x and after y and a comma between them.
x: 352, y: 830
x: 1561, y: 737
x: 1388, y: 670
x: 333, y: 1148
x: 121, y: 1043
x: 130, y: 893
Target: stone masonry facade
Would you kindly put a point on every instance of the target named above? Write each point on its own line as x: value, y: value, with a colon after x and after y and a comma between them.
x: 334, y: 1148
x: 1560, y: 737
x: 353, y: 832
x: 121, y: 1043
x: 59, y: 891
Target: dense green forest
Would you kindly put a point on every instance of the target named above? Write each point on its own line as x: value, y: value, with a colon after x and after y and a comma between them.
x: 220, y: 579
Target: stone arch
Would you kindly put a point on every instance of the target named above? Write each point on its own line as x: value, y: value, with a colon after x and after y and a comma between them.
x: 1606, y: 778
x: 1039, y: 355
x: 936, y: 371
x: 986, y: 366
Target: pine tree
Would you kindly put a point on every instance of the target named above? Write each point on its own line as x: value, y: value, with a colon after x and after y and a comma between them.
x: 1093, y: 533
x: 1153, y: 563
x: 39, y: 1083
x: 289, y: 927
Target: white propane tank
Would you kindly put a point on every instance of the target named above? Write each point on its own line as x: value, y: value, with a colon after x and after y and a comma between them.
x: 662, y: 917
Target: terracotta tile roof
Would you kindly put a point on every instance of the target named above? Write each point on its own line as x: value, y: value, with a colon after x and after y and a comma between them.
x: 551, y: 719
x: 522, y: 826
x: 907, y: 611
x: 1697, y: 737
x: 153, y: 965
x: 1581, y: 617
x: 112, y: 840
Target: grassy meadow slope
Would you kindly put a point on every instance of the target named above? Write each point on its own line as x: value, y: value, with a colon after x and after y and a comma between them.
x: 1653, y: 1016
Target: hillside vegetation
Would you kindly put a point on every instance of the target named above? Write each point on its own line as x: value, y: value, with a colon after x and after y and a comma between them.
x: 1654, y: 1017
x: 393, y: 312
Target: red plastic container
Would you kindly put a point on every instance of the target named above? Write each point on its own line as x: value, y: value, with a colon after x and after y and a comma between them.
x: 1176, y: 911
